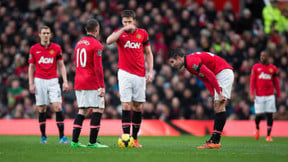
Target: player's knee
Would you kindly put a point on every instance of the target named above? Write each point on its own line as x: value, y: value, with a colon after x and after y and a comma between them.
x: 42, y: 108
x: 83, y: 112
x: 219, y: 107
x: 98, y: 110
x: 137, y: 106
x: 126, y: 106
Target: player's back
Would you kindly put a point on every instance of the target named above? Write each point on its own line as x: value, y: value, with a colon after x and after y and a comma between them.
x: 212, y: 61
x: 88, y: 51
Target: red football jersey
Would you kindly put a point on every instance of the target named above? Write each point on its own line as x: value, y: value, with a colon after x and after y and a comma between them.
x: 45, y: 60
x: 206, y: 66
x: 131, y: 55
x: 264, y: 79
x: 88, y: 63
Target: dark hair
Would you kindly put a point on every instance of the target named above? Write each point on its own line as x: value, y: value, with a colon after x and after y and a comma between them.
x: 91, y: 25
x: 176, y: 52
x: 43, y: 27
x: 128, y: 13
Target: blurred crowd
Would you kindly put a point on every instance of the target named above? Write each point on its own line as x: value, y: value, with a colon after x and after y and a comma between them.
x: 238, y: 37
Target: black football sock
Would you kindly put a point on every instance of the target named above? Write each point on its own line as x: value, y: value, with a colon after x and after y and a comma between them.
x: 126, y: 121
x: 136, y: 123
x: 269, y: 123
x: 258, y: 119
x: 77, y: 127
x: 94, y: 126
x: 219, y: 122
x: 60, y: 123
x: 42, y: 123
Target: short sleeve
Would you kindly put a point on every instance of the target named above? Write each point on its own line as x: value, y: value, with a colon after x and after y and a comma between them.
x: 194, y: 64
x: 146, y: 39
x: 31, y: 56
x: 59, y: 54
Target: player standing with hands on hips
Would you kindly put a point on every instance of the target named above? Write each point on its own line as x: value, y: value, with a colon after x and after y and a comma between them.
x: 44, y: 58
x: 89, y: 84
x: 264, y: 79
x: 131, y: 75
x: 217, y: 75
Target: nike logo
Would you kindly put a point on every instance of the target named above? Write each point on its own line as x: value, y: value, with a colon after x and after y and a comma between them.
x: 38, y: 52
x: 124, y: 35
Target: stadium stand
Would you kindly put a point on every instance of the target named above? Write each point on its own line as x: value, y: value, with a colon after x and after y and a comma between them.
x: 238, y: 37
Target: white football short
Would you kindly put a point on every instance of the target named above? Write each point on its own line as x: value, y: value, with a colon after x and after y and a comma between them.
x: 47, y: 91
x: 89, y: 99
x: 225, y: 79
x: 265, y: 104
x: 131, y: 87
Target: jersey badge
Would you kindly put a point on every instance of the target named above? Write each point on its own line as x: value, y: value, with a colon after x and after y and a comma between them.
x: 99, y: 53
x: 195, y: 67
x: 271, y: 70
x: 138, y: 36
x: 51, y: 52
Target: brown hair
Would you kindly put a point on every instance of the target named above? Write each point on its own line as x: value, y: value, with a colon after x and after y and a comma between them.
x: 91, y: 25
x: 43, y: 27
x: 128, y: 13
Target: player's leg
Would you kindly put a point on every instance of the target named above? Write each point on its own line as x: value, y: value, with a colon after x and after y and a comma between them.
x: 269, y: 117
x: 78, y: 122
x: 219, y: 121
x: 42, y: 122
x: 136, y: 121
x: 138, y: 97
x: 97, y: 105
x: 270, y: 109
x: 126, y: 117
x: 259, y: 105
x: 41, y: 95
x: 258, y: 119
x: 83, y: 111
x: 55, y: 98
x: 125, y: 90
x: 225, y: 79
x: 95, y: 127
x: 60, y: 122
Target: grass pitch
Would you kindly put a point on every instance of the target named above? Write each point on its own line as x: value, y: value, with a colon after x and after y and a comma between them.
x: 160, y: 149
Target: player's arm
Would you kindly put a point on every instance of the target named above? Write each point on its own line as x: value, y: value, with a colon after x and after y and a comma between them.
x: 31, y: 70
x: 149, y: 59
x: 115, y: 35
x: 210, y: 77
x: 252, y: 83
x: 277, y: 84
x: 99, y: 73
x: 62, y: 70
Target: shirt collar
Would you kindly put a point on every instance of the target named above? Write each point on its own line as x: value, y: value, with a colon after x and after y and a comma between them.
x: 44, y: 46
x: 89, y: 35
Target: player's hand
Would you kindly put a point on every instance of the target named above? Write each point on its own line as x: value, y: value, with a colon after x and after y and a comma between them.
x: 221, y: 97
x: 149, y: 77
x: 101, y: 92
x: 252, y: 98
x: 129, y: 28
x: 65, y: 86
x: 32, y: 88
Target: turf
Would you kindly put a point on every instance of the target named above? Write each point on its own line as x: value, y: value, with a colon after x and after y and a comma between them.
x: 160, y: 149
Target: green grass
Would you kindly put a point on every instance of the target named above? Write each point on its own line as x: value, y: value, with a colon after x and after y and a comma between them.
x: 160, y: 149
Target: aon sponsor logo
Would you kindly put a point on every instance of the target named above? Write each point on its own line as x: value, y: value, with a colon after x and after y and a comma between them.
x: 265, y: 76
x: 44, y: 60
x: 132, y: 45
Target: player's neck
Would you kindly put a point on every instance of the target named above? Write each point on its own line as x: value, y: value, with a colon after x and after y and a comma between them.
x: 91, y: 34
x: 45, y: 44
